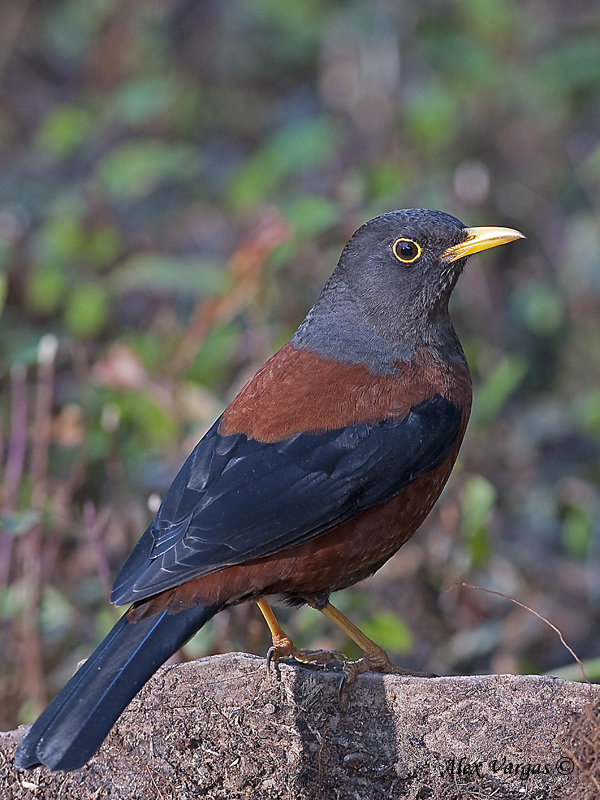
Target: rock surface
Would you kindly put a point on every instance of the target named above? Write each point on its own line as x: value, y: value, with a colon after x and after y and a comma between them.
x: 219, y: 729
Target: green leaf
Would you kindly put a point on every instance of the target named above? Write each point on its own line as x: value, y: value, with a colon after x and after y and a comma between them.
x: 291, y: 151
x: 56, y: 611
x: 163, y: 272
x: 140, y: 100
x: 19, y: 522
x: 151, y: 424
x: 586, y: 412
x: 45, y: 290
x: 102, y: 245
x: 311, y: 214
x: 577, y: 530
x: 3, y: 290
x: 478, y: 503
x: 570, y: 66
x: 202, y: 642
x: 573, y: 672
x: 490, y: 20
x: 389, y: 631
x: 385, y: 180
x: 14, y: 599
x: 432, y: 117
x: 541, y: 307
x: 497, y: 387
x: 72, y: 25
x: 213, y: 360
x: 64, y: 130
x: 135, y: 168
x: 87, y: 309
x: 105, y: 620
x: 59, y: 241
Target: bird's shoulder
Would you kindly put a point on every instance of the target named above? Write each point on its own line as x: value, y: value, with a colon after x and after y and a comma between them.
x: 300, y: 391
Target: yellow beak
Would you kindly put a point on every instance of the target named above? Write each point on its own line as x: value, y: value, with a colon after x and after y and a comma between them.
x: 481, y: 239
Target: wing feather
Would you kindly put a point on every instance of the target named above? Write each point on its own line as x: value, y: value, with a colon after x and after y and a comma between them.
x: 237, y: 499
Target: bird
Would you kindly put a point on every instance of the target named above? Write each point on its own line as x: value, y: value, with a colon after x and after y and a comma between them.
x: 321, y: 467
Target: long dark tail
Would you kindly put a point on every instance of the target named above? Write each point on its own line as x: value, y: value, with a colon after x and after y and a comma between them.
x: 79, y: 718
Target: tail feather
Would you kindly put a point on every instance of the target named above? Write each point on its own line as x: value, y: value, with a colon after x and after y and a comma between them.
x: 77, y: 721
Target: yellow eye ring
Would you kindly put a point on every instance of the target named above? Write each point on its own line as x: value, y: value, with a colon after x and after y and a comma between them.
x: 406, y: 250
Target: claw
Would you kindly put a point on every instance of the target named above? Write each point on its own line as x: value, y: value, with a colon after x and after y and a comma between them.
x: 340, y: 692
x: 270, y: 655
x: 376, y: 661
x: 288, y: 650
x: 374, y: 658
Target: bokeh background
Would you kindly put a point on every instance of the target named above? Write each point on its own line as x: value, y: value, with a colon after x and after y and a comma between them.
x: 177, y: 178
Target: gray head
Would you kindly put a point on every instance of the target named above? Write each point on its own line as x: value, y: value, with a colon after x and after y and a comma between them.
x: 389, y: 293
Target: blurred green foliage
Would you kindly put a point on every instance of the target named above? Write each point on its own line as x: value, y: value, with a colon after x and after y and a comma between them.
x: 478, y: 503
x: 496, y: 387
x: 177, y: 180
x: 389, y: 631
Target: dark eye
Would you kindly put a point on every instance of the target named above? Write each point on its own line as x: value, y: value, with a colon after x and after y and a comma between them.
x: 406, y: 250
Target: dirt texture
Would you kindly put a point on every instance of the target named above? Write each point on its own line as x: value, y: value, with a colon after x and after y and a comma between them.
x: 218, y: 728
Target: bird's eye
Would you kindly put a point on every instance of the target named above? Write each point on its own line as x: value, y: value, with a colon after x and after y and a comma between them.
x: 406, y: 250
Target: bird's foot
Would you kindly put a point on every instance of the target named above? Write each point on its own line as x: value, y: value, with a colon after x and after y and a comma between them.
x: 283, y: 647
x: 375, y: 659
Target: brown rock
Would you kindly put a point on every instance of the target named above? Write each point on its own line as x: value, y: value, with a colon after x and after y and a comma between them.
x: 217, y: 728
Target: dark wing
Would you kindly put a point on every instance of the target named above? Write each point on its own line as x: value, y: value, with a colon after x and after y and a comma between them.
x: 237, y: 499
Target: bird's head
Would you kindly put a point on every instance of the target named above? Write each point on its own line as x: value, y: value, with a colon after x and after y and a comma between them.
x: 407, y: 262
x: 389, y: 293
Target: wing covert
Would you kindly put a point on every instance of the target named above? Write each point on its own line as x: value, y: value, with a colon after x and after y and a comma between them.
x: 237, y: 499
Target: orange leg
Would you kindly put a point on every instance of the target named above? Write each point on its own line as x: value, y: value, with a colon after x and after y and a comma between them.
x: 375, y: 658
x: 283, y: 647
